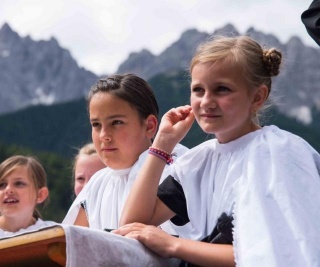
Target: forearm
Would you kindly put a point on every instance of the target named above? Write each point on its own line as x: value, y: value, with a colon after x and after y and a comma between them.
x: 82, y: 218
x: 141, y: 202
x: 203, y: 254
x: 141, y: 205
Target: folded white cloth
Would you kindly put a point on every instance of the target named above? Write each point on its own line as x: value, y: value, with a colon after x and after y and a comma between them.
x: 89, y: 247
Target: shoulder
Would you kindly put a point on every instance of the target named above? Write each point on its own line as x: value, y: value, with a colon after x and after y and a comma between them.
x: 43, y: 223
x: 281, y: 148
x: 274, y: 135
x: 96, y: 178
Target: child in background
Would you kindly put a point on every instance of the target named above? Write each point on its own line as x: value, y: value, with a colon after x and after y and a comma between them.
x: 86, y: 163
x: 124, y: 117
x: 22, y: 187
x: 265, y: 177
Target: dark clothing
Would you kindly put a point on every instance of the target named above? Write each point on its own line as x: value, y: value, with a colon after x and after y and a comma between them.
x: 311, y: 19
x: 171, y: 194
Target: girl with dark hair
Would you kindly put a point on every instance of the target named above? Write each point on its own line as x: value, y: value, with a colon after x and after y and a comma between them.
x: 124, y: 117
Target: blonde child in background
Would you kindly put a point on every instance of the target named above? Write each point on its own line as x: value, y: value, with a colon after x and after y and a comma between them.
x: 23, y: 186
x: 86, y: 163
x: 266, y: 178
x: 124, y: 117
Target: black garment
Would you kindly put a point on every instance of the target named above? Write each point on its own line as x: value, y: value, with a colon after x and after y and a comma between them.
x: 171, y: 194
x: 311, y: 19
x: 221, y: 234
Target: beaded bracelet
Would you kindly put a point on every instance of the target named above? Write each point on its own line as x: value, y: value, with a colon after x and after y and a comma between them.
x: 167, y: 157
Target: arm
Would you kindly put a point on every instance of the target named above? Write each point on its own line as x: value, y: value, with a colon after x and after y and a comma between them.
x: 200, y: 253
x: 81, y: 218
x: 142, y: 204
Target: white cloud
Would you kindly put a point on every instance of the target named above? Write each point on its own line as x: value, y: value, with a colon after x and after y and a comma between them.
x: 302, y: 114
x: 100, y: 34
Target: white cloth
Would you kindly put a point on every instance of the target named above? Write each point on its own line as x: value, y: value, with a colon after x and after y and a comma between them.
x: 269, y: 180
x: 106, y: 193
x: 90, y: 247
x: 39, y: 225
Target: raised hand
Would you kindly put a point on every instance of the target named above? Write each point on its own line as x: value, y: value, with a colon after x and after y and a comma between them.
x: 174, y: 126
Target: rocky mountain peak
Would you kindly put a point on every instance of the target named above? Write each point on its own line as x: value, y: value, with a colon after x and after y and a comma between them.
x: 227, y: 30
x: 34, y: 72
x: 38, y: 72
x: 8, y: 37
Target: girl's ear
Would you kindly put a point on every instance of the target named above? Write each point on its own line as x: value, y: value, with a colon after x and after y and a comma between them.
x: 152, y: 126
x: 42, y: 194
x: 260, y: 96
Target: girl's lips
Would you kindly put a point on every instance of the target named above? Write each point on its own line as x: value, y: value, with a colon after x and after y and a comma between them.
x: 210, y: 115
x: 10, y: 200
x: 105, y: 149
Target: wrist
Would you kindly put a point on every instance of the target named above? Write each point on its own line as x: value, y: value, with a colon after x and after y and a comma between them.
x: 175, y: 247
x: 164, y: 155
x: 164, y: 143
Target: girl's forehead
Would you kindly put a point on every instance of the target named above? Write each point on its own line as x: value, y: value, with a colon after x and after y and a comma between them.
x: 102, y: 97
x: 109, y: 103
x: 18, y: 171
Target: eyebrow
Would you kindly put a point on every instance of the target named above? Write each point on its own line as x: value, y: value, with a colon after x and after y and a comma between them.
x: 195, y: 83
x: 5, y: 179
x: 116, y: 116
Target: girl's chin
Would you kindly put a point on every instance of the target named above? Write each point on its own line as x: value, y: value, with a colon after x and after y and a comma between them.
x: 207, y: 129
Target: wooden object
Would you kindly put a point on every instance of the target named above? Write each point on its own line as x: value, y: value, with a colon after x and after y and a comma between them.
x: 45, y: 248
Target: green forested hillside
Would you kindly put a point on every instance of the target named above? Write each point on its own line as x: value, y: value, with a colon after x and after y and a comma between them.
x: 58, y: 128
x: 52, y: 133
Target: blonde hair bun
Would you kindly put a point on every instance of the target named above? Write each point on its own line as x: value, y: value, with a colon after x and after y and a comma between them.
x: 272, y: 60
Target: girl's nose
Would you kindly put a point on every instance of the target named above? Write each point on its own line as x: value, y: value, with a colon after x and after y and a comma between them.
x: 208, y: 101
x: 9, y: 190
x: 105, y: 135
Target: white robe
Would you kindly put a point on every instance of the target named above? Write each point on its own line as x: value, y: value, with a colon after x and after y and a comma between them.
x: 269, y: 180
x: 106, y: 193
x: 39, y: 225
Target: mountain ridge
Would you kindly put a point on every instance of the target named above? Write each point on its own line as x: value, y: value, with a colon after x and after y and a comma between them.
x: 41, y: 72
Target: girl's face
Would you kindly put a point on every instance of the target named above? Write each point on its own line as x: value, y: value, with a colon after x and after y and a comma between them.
x: 118, y: 133
x: 86, y: 166
x: 221, y: 101
x: 17, y: 193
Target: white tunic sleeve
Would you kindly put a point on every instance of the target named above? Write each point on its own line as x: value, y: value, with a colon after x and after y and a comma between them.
x: 278, y: 205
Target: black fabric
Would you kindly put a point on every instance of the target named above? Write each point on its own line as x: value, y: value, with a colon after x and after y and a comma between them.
x: 221, y: 234
x: 311, y: 19
x: 170, y: 192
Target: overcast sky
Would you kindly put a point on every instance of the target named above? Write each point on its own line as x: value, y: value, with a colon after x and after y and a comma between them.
x: 100, y: 34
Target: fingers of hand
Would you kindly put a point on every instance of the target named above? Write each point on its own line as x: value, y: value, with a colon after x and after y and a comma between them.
x: 125, y: 229
x: 179, y: 113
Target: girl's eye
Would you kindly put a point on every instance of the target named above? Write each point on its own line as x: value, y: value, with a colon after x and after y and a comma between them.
x: 117, y: 122
x: 223, y: 89
x: 197, y: 89
x: 20, y: 184
x: 3, y: 186
x: 95, y: 124
x: 80, y: 180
